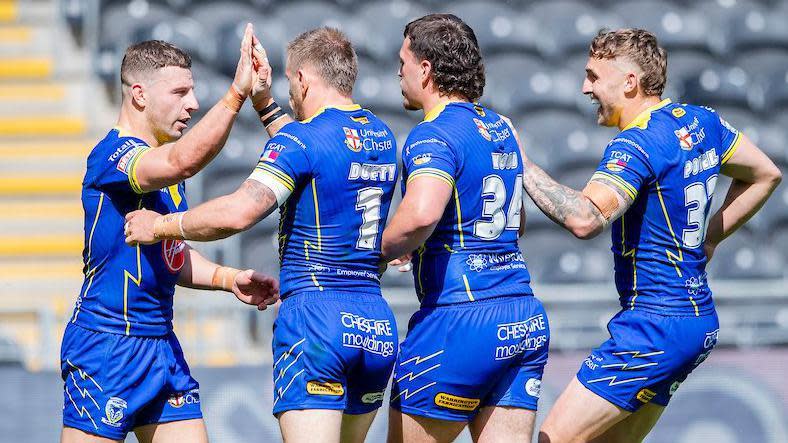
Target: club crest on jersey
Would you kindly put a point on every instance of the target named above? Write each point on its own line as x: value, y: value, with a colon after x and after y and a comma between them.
x: 482, y: 129
x: 352, y: 139
x: 114, y: 411
x: 173, y: 253
x: 685, y: 138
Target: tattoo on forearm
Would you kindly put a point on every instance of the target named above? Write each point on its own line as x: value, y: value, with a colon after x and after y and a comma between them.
x: 260, y: 193
x: 557, y: 201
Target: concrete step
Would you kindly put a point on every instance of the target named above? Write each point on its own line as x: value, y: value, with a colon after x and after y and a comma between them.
x: 37, y: 125
x: 45, y: 97
x: 28, y: 11
x: 60, y: 184
x: 31, y: 217
x: 23, y: 40
x: 26, y: 68
x: 41, y: 245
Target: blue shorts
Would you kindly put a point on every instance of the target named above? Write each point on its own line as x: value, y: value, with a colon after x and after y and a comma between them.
x: 114, y: 383
x: 333, y: 351
x: 647, y: 357
x: 459, y: 358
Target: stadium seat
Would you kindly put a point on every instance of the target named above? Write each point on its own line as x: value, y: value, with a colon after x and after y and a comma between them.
x: 558, y: 257
x: 377, y: 88
x: 399, y: 122
x: 498, y: 27
x: 567, y: 27
x: 722, y: 13
x: 301, y: 16
x: 759, y: 28
x: 118, y: 22
x: 744, y: 255
x: 676, y: 27
x: 519, y: 83
x: 377, y: 27
x: 260, y: 250
x: 184, y: 33
x: 719, y: 85
x: 682, y: 66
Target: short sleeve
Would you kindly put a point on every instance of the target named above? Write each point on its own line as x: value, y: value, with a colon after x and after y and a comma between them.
x: 626, y: 165
x: 285, y: 160
x: 425, y: 153
x: 730, y: 138
x: 119, y: 169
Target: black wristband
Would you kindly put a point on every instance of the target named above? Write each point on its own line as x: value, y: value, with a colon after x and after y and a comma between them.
x: 273, y: 117
x: 268, y: 109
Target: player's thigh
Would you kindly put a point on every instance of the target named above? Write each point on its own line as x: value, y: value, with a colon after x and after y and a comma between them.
x: 310, y: 425
x: 73, y: 435
x: 192, y: 431
x: 634, y: 428
x: 579, y: 415
x: 355, y: 427
x: 502, y: 424
x: 416, y: 429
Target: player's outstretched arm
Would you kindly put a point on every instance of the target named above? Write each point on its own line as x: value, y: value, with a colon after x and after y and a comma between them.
x: 416, y: 217
x: 250, y: 287
x: 755, y: 177
x: 585, y: 214
x: 215, y: 219
x: 271, y: 114
x: 175, y: 162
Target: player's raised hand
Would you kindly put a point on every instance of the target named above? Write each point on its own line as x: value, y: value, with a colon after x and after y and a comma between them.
x: 139, y: 227
x: 254, y: 288
x: 242, y: 83
x: 262, y: 78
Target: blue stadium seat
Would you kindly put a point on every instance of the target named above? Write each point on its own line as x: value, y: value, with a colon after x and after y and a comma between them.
x: 676, y: 27
x: 377, y: 27
x: 719, y: 85
x: 779, y: 239
x: 118, y: 22
x: 498, y: 27
x: 567, y: 27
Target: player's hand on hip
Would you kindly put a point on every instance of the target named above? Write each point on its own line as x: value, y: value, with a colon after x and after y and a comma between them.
x: 254, y: 288
x: 138, y: 228
x: 403, y: 262
x: 243, y: 73
x: 262, y: 77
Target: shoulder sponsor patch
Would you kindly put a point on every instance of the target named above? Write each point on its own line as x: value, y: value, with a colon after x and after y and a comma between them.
x: 456, y: 402
x: 422, y: 159
x: 678, y: 112
x: 334, y: 388
x: 125, y: 162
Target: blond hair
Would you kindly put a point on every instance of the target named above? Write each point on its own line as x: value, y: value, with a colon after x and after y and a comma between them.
x: 330, y: 52
x: 639, y: 46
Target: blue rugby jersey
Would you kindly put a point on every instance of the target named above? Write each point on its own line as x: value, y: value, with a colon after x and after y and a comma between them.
x: 473, y: 252
x: 341, y: 169
x: 668, y: 160
x: 127, y: 289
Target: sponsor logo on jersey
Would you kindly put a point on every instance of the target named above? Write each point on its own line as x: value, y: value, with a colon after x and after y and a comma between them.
x: 505, y: 160
x: 125, y: 161
x: 123, y: 148
x: 711, y: 339
x: 678, y: 112
x: 113, y: 411
x: 592, y: 362
x: 363, y: 120
x: 495, y: 262
x: 479, y: 110
x: 272, y: 152
x: 728, y: 126
x: 533, y: 387
x: 371, y: 335
x: 421, y: 142
x: 383, y: 172
x: 704, y: 162
x: 292, y: 137
x: 422, y: 159
x: 179, y: 399
x: 530, y: 335
x: 690, y: 135
x: 173, y: 253
x: 630, y: 143
x: 372, y: 397
x: 352, y: 139
x: 645, y: 395
x: 695, y: 284
x: 618, y: 161
x: 456, y: 402
x: 333, y: 388
x: 482, y: 129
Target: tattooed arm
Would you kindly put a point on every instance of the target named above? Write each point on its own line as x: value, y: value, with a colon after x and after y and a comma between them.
x: 583, y: 213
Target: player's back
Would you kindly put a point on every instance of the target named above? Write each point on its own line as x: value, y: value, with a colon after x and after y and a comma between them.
x: 127, y: 290
x: 341, y: 168
x: 668, y: 160
x: 473, y: 252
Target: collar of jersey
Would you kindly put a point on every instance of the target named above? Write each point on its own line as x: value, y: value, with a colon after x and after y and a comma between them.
x: 122, y: 132
x: 352, y: 107
x: 641, y: 121
x: 436, y: 111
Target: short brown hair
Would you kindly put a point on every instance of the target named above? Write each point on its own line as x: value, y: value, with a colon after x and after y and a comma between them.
x: 330, y: 52
x: 450, y: 45
x: 150, y: 55
x: 641, y: 47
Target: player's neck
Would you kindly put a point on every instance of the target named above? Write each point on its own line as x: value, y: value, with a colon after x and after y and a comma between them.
x: 325, y: 99
x: 634, y: 109
x: 434, y: 100
x: 134, y: 125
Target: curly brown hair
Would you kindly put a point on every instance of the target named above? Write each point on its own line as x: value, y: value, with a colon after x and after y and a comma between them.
x: 450, y: 45
x: 637, y: 45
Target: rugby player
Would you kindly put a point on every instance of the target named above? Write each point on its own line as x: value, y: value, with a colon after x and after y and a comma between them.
x: 332, y: 174
x: 654, y: 185
x: 121, y: 362
x: 476, y: 349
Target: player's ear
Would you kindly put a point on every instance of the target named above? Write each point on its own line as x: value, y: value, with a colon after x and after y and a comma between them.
x: 426, y: 71
x: 137, y: 93
x: 303, y: 82
x: 630, y: 82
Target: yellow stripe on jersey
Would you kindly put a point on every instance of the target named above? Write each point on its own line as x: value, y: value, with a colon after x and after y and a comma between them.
x: 732, y: 149
x: 459, y: 216
x: 420, y: 252
x: 133, y: 180
x: 432, y: 172
x: 435, y: 112
x: 467, y: 288
x: 641, y: 121
x: 671, y: 256
x: 279, y: 176
x: 307, y: 243
x: 138, y: 281
x: 351, y: 107
x: 618, y: 181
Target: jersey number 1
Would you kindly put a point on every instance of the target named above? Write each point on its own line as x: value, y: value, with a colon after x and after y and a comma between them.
x: 368, y: 202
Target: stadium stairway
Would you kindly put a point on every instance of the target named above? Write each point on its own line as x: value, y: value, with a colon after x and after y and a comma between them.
x: 48, y: 123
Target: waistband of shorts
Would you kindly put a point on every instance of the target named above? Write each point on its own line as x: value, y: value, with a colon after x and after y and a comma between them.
x: 485, y: 301
x: 706, y: 312
x: 342, y: 296
x: 83, y: 327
